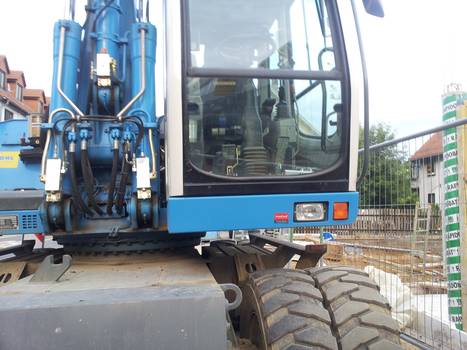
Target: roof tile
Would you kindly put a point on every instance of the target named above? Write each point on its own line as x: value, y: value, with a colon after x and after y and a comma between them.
x: 433, y: 147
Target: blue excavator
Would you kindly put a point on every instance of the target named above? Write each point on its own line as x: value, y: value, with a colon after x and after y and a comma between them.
x: 260, y: 131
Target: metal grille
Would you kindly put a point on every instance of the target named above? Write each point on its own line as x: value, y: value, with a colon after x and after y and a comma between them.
x: 29, y: 221
x: 398, y: 237
x: 8, y: 222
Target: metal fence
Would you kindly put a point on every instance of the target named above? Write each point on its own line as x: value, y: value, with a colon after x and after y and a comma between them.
x: 398, y: 236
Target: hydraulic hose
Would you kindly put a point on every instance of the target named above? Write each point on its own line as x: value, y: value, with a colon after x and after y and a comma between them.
x: 113, y: 180
x: 126, y: 167
x: 99, y: 13
x: 47, y: 141
x: 140, y: 126
x: 77, y: 199
x: 76, y: 195
x: 89, y: 180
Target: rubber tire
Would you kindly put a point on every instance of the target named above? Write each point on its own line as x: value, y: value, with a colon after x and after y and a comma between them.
x: 360, y: 315
x: 283, y: 310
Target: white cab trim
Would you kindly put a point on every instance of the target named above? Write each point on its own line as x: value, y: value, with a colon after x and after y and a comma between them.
x: 174, y: 121
x: 356, y: 84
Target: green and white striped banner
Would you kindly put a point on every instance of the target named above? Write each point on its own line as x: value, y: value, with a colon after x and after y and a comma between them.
x: 452, y: 222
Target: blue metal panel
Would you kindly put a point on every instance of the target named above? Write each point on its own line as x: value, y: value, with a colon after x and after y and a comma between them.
x: 146, y: 102
x: 199, y: 214
x: 108, y: 29
x: 71, y: 56
x: 29, y: 222
x: 145, y: 106
x: 15, y: 174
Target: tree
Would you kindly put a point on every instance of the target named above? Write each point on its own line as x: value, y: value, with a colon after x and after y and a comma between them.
x: 387, y: 182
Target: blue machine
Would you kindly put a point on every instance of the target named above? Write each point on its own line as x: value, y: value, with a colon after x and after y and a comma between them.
x: 255, y: 143
x: 260, y: 131
x: 20, y: 188
x: 18, y: 170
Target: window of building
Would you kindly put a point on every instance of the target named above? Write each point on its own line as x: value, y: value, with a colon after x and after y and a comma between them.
x: 19, y: 92
x: 431, y: 198
x: 2, y: 79
x: 415, y: 170
x: 8, y: 115
x: 431, y: 166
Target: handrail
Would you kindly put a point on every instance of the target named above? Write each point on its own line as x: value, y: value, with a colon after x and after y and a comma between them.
x: 442, y: 127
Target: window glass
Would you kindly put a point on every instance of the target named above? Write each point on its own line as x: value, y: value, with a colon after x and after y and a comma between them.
x: 19, y: 92
x: 415, y: 170
x: 8, y: 114
x: 257, y: 127
x: 268, y: 34
x: 244, y: 127
x: 2, y: 79
x: 431, y: 166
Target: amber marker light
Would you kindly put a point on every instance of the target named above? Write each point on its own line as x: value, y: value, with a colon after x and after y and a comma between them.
x: 341, y: 211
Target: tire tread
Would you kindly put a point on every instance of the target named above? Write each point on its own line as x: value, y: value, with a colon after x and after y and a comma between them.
x: 292, y: 310
x: 360, y: 315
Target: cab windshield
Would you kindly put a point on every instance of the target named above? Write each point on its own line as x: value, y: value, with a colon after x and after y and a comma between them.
x: 263, y: 92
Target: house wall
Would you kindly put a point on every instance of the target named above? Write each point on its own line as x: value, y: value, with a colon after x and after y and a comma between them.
x: 4, y: 69
x: 20, y: 108
x: 16, y: 114
x: 34, y: 104
x: 430, y: 183
x: 3, y: 66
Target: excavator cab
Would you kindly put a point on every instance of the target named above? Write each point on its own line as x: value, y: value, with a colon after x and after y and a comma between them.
x: 261, y: 111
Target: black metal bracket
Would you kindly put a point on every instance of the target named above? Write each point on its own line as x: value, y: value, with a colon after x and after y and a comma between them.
x: 285, y: 250
x: 24, y: 249
x: 232, y: 263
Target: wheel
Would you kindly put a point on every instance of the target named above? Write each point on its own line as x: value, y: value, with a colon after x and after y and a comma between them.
x: 283, y: 310
x: 360, y: 315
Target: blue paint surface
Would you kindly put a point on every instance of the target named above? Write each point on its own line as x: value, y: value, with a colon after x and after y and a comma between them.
x: 198, y: 214
x: 26, y: 175
x: 71, y: 56
x: 29, y: 222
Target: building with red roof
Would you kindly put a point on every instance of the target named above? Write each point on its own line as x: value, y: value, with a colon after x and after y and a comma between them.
x: 427, y: 163
x: 16, y: 101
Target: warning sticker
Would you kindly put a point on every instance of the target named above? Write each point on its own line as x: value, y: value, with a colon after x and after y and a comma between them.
x: 9, y: 160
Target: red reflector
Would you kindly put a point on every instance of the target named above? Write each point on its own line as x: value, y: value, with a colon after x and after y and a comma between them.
x: 281, y: 217
x: 341, y: 211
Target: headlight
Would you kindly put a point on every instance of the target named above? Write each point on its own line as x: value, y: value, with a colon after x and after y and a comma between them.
x: 310, y: 212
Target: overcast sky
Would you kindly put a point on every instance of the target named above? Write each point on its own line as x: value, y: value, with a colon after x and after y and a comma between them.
x: 412, y: 53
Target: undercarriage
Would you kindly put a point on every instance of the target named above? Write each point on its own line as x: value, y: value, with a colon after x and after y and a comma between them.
x: 262, y: 294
